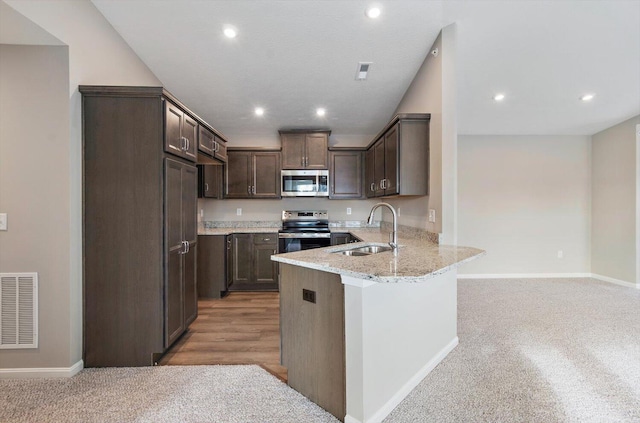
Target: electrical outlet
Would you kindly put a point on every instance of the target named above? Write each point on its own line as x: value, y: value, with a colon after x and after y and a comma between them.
x: 560, y: 254
x: 3, y: 221
x: 308, y: 295
x: 348, y: 210
x: 432, y: 215
x: 201, y: 212
x: 239, y: 211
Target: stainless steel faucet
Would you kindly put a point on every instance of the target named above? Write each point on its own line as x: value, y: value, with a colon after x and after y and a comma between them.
x: 393, y: 237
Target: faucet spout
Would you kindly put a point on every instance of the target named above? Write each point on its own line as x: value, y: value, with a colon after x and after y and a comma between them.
x: 393, y: 237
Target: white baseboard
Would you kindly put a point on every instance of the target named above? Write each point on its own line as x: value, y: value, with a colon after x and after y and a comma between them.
x: 523, y: 275
x: 547, y: 276
x: 402, y: 393
x: 616, y: 281
x: 45, y: 372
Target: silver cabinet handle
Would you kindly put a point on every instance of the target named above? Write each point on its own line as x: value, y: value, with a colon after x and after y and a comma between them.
x: 182, y: 248
x: 253, y: 190
x: 188, y: 142
x: 206, y: 186
x: 183, y: 143
x: 383, y: 184
x: 188, y: 245
x: 249, y: 189
x: 213, y: 146
x: 373, y: 186
x: 217, y: 146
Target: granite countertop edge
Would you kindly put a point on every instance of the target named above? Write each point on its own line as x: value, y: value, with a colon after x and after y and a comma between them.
x: 417, y: 260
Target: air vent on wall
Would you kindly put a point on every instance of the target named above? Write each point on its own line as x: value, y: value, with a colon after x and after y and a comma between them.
x: 18, y: 310
x: 363, y: 70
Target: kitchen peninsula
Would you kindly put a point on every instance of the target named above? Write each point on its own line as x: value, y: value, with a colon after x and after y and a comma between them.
x: 360, y: 332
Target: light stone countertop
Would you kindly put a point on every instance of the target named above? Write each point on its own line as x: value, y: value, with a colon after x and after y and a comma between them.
x: 238, y: 230
x: 417, y: 259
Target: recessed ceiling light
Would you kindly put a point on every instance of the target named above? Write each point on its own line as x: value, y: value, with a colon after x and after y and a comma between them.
x: 372, y: 12
x: 321, y: 112
x: 259, y: 111
x: 230, y: 32
x: 587, y: 97
x: 498, y: 97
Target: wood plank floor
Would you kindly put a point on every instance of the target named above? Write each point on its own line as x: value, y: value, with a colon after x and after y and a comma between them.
x: 242, y: 328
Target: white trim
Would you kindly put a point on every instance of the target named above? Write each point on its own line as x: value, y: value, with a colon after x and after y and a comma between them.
x: 616, y: 281
x: 548, y: 276
x: 402, y: 393
x: 522, y: 275
x: 45, y: 372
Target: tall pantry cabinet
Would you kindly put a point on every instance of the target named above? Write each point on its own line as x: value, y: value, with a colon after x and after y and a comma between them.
x: 139, y: 223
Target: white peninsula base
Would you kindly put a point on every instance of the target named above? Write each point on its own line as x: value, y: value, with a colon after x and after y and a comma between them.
x: 395, y: 334
x: 357, y: 347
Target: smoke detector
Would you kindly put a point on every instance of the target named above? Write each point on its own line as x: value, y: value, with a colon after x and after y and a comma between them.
x: 363, y: 70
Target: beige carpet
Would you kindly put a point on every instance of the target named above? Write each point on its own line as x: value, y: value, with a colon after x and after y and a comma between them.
x: 564, y: 350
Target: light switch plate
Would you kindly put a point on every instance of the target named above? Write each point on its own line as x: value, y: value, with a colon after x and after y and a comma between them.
x: 348, y: 210
x: 3, y: 221
x: 239, y: 211
x: 432, y: 215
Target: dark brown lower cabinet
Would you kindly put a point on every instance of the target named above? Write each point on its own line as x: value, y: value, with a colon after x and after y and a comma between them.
x: 253, y: 269
x: 212, y: 265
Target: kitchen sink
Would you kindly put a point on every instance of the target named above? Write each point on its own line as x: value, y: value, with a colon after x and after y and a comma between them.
x: 365, y: 251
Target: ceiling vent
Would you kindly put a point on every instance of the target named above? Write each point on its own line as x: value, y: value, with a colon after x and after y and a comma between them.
x: 363, y: 70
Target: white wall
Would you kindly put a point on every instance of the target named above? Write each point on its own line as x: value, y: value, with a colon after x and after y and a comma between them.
x: 433, y: 90
x: 614, y: 232
x: 96, y: 55
x: 34, y: 190
x: 522, y: 199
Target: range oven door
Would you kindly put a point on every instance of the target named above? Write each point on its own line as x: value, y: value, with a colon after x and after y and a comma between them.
x: 289, y: 242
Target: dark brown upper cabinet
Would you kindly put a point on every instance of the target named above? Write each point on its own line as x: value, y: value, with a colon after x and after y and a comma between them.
x: 181, y: 132
x: 345, y: 174
x: 252, y: 174
x: 397, y: 161
x: 212, y: 145
x: 210, y: 181
x: 303, y: 149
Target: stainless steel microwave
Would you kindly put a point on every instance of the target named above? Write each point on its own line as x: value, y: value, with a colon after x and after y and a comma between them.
x: 305, y: 183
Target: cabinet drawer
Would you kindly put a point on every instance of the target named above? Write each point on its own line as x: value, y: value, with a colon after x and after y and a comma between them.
x: 265, y: 238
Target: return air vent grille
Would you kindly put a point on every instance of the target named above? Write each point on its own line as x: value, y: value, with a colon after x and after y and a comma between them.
x: 18, y: 310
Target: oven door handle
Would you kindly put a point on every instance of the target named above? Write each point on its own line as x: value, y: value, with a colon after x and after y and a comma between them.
x: 304, y: 235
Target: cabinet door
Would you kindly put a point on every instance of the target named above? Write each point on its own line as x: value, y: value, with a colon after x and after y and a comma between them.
x: 370, y: 175
x: 190, y: 132
x: 293, y: 151
x: 339, y: 239
x: 265, y: 270
x: 174, y: 248
x: 212, y: 265
x: 316, y: 151
x: 206, y: 141
x: 378, y: 162
x: 391, y: 160
x: 345, y: 174
x: 190, y: 234
x: 221, y: 150
x: 210, y: 181
x: 238, y: 172
x: 172, y: 129
x: 242, y: 273
x: 266, y: 175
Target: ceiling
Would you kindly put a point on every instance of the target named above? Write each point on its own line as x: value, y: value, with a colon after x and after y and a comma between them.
x: 291, y: 57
